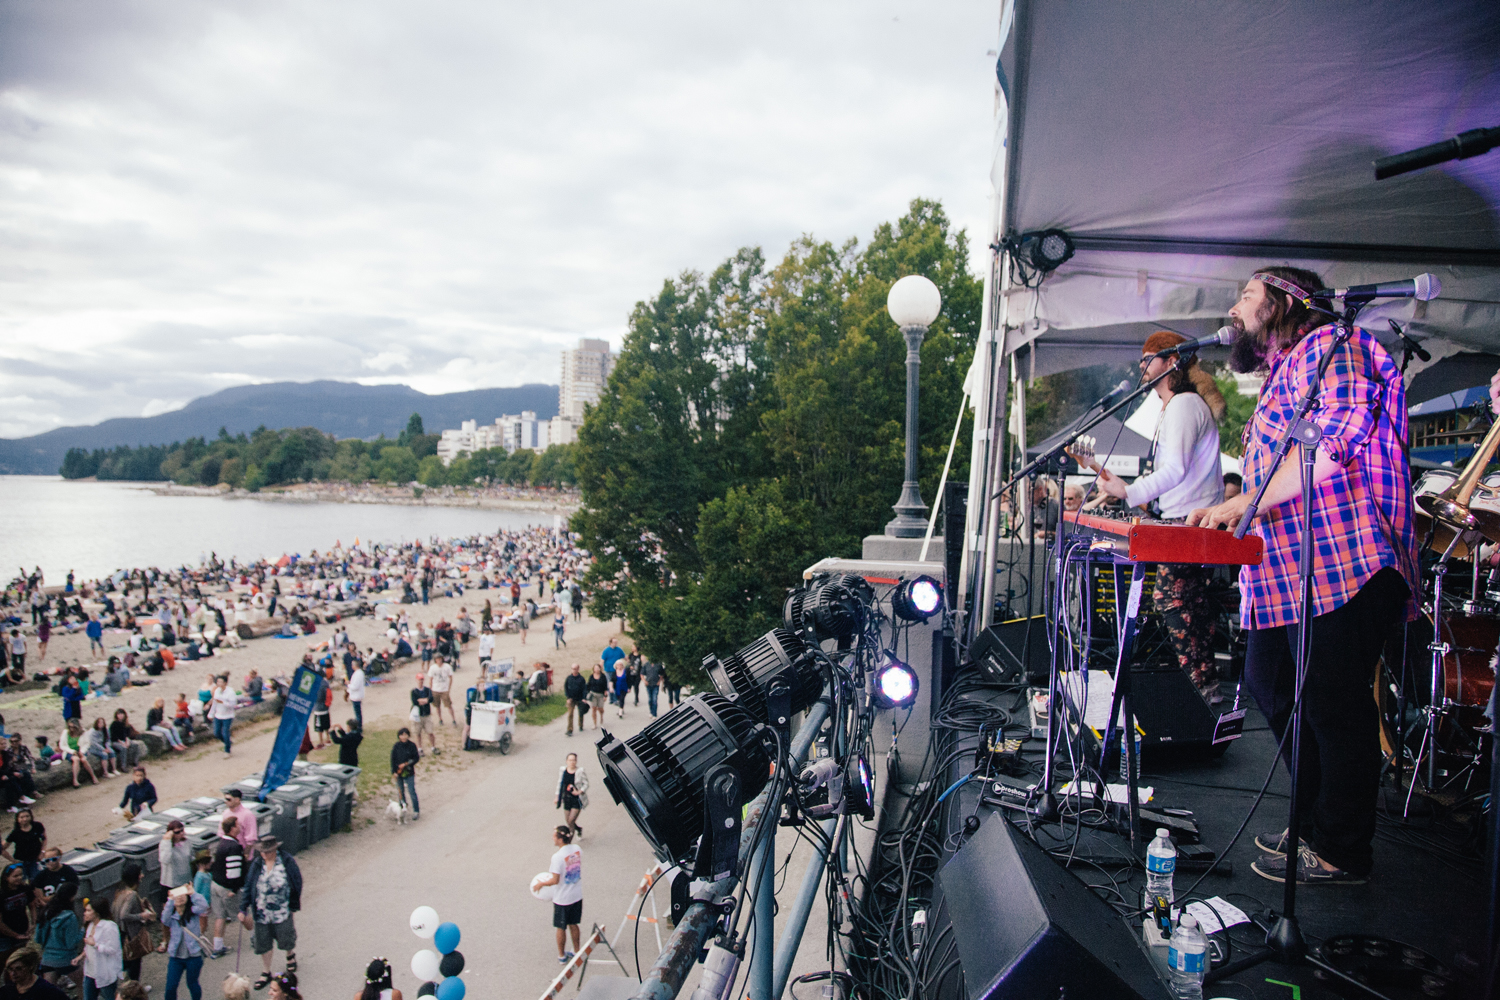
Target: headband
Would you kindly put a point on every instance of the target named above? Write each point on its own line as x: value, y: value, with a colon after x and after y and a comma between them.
x: 1297, y: 292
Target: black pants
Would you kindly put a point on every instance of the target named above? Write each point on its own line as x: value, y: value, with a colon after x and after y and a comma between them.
x: 1340, y: 760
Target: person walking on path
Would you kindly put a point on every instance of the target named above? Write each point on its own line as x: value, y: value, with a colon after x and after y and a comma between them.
x: 102, y: 959
x: 598, y: 692
x: 72, y: 697
x: 221, y: 711
x: 228, y: 873
x: 17, y: 649
x: 272, y: 893
x: 440, y: 679
x: 354, y: 691
x: 633, y: 672
x: 60, y: 935
x: 17, y: 900
x: 21, y: 978
x: 378, y: 982
x: 674, y: 690
x: 132, y: 913
x: 28, y: 839
x: 611, y: 658
x: 175, y: 855
x: 183, y: 951
x: 95, y: 631
x: 576, y: 690
x: 572, y: 792
x: 421, y: 713
x: 622, y: 687
x: 404, y: 757
x: 245, y: 830
x: 559, y: 626
x: 43, y: 636
x: 651, y: 674
x: 565, y: 872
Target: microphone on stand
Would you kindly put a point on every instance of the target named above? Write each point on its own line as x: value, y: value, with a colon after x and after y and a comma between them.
x: 1424, y: 288
x: 1224, y: 336
x: 1125, y: 386
x: 1412, y: 346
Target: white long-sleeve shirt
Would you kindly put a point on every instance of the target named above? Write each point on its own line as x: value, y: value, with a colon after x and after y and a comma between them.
x: 103, y: 960
x: 1186, y: 472
x: 356, y: 685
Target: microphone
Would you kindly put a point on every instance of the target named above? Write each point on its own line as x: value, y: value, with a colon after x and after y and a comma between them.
x: 1411, y: 345
x: 1424, y: 288
x: 1125, y: 386
x: 1225, y: 336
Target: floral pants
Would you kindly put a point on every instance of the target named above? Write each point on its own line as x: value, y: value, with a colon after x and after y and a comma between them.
x: 1182, y: 599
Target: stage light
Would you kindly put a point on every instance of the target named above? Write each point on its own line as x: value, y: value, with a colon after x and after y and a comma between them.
x: 835, y: 607
x: 1045, y: 250
x: 917, y: 599
x: 859, y: 787
x: 658, y: 773
x: 744, y: 676
x: 895, y: 684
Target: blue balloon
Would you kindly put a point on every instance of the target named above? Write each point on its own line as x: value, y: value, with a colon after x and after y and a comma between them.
x: 451, y: 988
x: 446, y: 938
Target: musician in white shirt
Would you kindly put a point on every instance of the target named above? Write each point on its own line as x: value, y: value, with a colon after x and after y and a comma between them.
x: 1185, y: 474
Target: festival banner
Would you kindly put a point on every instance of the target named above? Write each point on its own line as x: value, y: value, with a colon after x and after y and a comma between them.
x: 307, y: 688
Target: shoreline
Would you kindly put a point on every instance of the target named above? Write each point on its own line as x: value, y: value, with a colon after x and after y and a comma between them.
x: 442, y: 496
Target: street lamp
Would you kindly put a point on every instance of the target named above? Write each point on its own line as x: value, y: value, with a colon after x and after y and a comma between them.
x: 913, y: 302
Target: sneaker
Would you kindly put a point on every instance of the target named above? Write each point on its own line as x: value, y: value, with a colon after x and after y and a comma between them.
x: 218, y: 953
x: 27, y: 800
x: 562, y: 960
x: 567, y: 955
x: 1308, y: 872
x: 1273, y: 843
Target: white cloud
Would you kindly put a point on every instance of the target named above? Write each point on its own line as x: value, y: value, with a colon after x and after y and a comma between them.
x: 441, y: 195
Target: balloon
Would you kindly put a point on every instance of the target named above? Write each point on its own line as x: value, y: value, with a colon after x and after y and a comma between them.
x: 424, y: 964
x: 427, y: 990
x: 451, y: 989
x: 452, y: 964
x: 424, y: 921
x: 544, y: 893
x: 445, y: 938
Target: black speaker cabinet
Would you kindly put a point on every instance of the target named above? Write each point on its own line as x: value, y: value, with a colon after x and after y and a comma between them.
x: 1169, y: 708
x: 1028, y: 928
x: 1007, y: 656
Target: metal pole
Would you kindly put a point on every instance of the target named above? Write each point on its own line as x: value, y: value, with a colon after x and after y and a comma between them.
x: 762, y: 947
x: 675, y: 963
x: 796, y: 920
x: 911, y: 513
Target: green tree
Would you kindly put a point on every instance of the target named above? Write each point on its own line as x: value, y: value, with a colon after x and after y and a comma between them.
x: 396, y: 465
x: 413, y: 430
x: 79, y: 464
x: 431, y: 471
x: 555, y: 466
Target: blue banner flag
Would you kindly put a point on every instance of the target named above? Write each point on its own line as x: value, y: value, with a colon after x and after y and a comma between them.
x: 307, y: 689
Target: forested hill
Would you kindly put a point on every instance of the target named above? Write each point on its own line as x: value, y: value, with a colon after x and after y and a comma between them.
x: 342, y: 409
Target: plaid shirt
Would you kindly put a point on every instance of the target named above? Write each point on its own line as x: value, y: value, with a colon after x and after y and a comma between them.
x: 1362, y: 515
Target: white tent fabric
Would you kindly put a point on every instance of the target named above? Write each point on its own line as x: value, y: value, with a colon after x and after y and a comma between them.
x: 1181, y: 144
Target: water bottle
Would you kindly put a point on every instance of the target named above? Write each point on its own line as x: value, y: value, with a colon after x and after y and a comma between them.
x: 1187, y: 959
x: 1161, y: 862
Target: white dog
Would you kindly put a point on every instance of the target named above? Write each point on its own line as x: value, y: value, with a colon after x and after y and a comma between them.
x: 397, y: 811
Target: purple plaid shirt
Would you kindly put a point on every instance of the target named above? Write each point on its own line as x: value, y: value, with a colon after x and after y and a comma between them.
x: 1362, y: 515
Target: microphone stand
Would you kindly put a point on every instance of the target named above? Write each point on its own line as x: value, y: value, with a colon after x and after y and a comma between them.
x: 1285, y: 943
x: 1046, y: 808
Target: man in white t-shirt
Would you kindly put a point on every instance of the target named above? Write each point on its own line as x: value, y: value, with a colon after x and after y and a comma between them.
x: 486, y: 649
x: 354, y: 693
x: 221, y: 711
x: 565, y: 872
x: 1186, y: 474
x: 440, y: 679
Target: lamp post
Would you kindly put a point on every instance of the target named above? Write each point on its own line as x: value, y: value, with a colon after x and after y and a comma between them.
x: 913, y: 303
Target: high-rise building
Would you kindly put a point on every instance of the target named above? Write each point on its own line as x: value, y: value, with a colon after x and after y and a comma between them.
x: 585, y: 369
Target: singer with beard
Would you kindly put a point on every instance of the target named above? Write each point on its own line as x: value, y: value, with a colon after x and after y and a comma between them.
x: 1185, y: 475
x: 1364, y: 570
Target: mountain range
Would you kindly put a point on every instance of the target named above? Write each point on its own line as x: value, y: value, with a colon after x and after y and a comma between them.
x: 343, y: 409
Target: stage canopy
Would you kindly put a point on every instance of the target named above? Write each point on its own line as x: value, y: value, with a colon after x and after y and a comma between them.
x: 1181, y: 144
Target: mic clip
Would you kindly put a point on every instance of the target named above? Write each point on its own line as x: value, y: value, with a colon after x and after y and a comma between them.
x: 1412, y: 346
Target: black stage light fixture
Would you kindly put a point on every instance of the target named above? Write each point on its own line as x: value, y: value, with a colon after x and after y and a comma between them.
x: 744, y: 677
x: 834, y: 607
x: 859, y: 787
x: 1045, y: 249
x: 658, y: 774
x: 917, y: 599
x: 895, y: 683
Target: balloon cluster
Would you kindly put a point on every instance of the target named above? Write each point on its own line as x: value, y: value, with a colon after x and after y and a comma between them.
x: 438, y: 970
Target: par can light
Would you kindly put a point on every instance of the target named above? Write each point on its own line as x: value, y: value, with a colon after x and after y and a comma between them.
x: 835, y: 607
x: 658, y: 773
x: 895, y: 684
x: 917, y: 599
x: 743, y: 677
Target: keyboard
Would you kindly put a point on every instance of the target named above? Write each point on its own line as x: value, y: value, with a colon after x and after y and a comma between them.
x: 1147, y: 541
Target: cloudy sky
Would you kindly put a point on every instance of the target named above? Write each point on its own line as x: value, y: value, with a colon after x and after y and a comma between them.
x: 198, y: 195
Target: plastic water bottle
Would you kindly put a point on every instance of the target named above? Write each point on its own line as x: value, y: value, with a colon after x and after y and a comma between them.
x: 1161, y: 863
x: 1187, y: 959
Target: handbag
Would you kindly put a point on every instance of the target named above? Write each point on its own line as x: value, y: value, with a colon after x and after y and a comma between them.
x: 140, y: 944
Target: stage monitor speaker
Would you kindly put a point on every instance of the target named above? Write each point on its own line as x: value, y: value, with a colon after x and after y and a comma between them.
x: 1169, y: 708
x: 1006, y: 655
x: 1027, y: 927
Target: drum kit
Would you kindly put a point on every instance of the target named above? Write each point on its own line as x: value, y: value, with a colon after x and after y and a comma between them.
x: 1456, y: 514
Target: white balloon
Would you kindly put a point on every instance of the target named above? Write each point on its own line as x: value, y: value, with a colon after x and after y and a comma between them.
x: 424, y: 921
x: 542, y: 892
x: 426, y: 965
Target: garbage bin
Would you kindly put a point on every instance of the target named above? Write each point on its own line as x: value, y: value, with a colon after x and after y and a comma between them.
x: 206, y: 804
x: 98, y: 871
x: 147, y: 824
x: 137, y: 847
x: 297, y: 802
x: 202, y: 834
x: 185, y: 811
x: 330, y: 795
x: 249, y: 786
x: 348, y: 777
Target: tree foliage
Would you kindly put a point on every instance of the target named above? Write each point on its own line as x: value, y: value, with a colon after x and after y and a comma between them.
x: 756, y: 421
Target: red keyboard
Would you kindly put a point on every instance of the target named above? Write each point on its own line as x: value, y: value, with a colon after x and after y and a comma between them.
x: 1138, y: 540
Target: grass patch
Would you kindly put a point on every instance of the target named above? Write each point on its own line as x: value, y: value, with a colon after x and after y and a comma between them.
x: 374, y: 782
x: 542, y: 710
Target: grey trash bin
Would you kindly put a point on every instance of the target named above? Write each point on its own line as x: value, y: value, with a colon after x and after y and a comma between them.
x: 98, y: 871
x: 348, y: 777
x: 298, y: 802
x: 137, y: 847
x: 329, y: 802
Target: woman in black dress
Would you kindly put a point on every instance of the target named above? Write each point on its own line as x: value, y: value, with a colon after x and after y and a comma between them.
x: 572, y: 792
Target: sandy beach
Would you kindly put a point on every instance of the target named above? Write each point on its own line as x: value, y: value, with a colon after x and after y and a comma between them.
x: 562, y: 502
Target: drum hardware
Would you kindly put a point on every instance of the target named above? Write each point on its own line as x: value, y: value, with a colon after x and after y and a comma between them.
x: 1468, y: 504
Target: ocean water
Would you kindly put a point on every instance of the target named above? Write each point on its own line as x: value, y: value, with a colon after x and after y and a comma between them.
x: 96, y: 528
